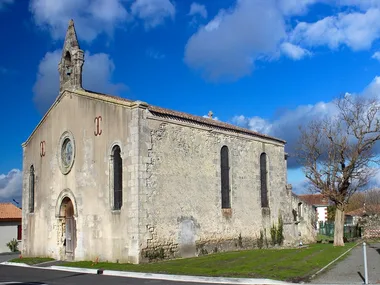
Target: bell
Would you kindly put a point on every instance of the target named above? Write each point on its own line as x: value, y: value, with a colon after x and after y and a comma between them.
x: 68, y: 70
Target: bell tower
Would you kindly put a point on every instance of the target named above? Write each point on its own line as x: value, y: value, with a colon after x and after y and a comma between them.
x: 70, y: 66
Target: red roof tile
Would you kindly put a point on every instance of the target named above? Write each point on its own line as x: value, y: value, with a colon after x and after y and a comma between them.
x: 195, y: 119
x: 8, y: 211
x: 315, y: 199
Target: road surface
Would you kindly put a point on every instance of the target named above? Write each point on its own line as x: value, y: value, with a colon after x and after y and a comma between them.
x: 41, y: 276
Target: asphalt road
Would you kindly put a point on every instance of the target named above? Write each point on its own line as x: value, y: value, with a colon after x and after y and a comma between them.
x: 8, y: 256
x: 53, y: 277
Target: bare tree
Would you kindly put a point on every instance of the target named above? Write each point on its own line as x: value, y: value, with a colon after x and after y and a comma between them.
x: 372, y: 201
x: 357, y: 201
x: 337, y: 153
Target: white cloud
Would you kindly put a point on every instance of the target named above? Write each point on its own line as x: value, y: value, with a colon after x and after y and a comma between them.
x: 294, y: 52
x: 256, y: 124
x: 373, y: 89
x: 214, y: 118
x: 4, y: 3
x: 91, y: 17
x: 286, y: 126
x: 11, y: 186
x: 97, y: 72
x: 356, y: 30
x: 376, y: 55
x: 295, y: 7
x: 152, y: 53
x: 229, y: 44
x: 198, y: 9
x: 153, y: 12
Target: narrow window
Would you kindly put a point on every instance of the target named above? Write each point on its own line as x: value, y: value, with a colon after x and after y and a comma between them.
x: 31, y: 189
x: 19, y: 233
x: 300, y: 210
x: 225, y: 176
x: 117, y: 178
x: 263, y: 180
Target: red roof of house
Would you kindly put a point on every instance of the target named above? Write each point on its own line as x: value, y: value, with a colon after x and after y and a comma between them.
x: 8, y: 211
x: 369, y: 209
x: 315, y: 199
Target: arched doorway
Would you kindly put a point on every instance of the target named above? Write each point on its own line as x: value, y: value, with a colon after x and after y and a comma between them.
x: 68, y: 220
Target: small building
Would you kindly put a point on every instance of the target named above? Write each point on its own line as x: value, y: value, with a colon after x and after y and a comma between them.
x: 320, y: 203
x: 10, y: 225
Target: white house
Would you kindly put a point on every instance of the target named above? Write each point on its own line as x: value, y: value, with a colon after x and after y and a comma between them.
x: 10, y: 225
x: 320, y: 202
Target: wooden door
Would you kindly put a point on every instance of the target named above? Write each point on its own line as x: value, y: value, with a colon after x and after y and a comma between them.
x: 70, y: 234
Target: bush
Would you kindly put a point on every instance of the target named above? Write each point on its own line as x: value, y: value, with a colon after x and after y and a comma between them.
x: 280, y: 231
x: 273, y: 234
x: 13, y: 245
x: 260, y: 241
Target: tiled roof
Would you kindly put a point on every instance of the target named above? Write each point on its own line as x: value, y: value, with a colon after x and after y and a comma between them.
x: 8, y: 211
x: 315, y: 199
x: 163, y: 112
x: 369, y: 209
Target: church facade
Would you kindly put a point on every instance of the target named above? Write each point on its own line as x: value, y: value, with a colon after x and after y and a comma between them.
x: 120, y: 180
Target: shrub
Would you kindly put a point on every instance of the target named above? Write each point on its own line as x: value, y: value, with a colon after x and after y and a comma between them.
x: 280, y: 231
x: 13, y: 245
x: 260, y: 240
x: 273, y: 235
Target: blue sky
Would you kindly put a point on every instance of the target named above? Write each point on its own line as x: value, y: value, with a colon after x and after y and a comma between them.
x: 268, y: 65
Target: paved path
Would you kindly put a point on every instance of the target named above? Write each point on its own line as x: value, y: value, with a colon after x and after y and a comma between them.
x: 351, y: 269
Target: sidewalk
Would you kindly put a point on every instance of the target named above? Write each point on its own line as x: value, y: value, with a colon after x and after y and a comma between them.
x: 351, y: 269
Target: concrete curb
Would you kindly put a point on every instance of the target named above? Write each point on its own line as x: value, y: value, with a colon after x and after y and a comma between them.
x: 169, y: 277
x: 15, y: 264
x: 166, y: 277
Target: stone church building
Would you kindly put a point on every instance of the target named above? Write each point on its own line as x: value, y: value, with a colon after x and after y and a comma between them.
x: 121, y: 180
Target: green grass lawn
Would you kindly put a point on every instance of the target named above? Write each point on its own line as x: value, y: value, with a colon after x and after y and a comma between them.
x: 32, y: 260
x: 280, y: 264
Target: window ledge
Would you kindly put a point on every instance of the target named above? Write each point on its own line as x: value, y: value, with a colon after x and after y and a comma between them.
x: 227, y: 212
x: 265, y: 211
x: 116, y: 212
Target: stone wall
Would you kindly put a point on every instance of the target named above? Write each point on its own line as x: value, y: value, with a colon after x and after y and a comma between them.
x: 304, y: 220
x: 370, y: 226
x: 101, y: 232
x: 182, y: 213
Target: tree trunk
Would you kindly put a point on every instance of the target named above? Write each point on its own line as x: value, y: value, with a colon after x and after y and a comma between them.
x: 339, y: 227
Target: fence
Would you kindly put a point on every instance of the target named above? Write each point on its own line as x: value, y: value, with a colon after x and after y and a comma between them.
x: 327, y: 229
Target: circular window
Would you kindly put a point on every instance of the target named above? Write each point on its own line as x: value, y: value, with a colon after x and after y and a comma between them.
x: 67, y: 152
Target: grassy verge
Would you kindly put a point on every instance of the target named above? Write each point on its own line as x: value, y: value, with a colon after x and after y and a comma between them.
x: 280, y: 264
x: 32, y: 260
x: 324, y: 238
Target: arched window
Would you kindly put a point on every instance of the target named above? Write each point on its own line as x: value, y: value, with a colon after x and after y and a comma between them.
x: 263, y: 180
x: 225, y: 176
x: 31, y: 189
x: 117, y: 178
